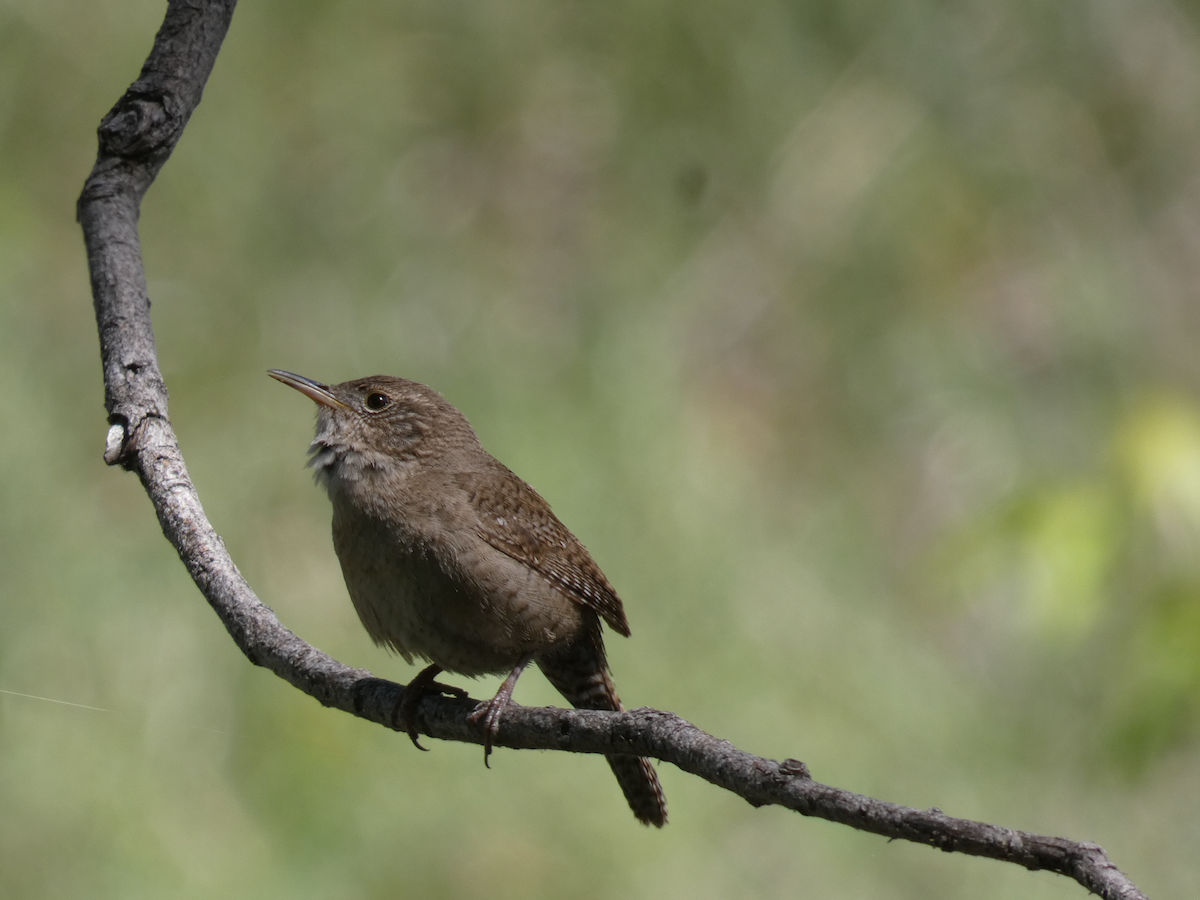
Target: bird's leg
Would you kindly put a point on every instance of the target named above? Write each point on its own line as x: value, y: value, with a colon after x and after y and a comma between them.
x: 491, y: 710
x: 404, y: 713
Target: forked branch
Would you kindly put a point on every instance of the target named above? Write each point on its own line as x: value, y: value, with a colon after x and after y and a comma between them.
x: 136, y: 138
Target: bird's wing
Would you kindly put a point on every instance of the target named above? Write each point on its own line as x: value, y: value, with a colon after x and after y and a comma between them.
x: 515, y: 520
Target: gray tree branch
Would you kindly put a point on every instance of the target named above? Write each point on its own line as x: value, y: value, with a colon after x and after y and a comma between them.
x: 135, y: 140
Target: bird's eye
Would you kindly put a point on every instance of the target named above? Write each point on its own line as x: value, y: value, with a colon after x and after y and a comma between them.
x: 377, y: 401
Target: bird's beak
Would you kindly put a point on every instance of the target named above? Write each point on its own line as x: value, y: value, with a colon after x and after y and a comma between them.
x: 307, y: 386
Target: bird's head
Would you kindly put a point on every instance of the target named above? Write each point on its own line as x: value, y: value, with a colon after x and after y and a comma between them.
x: 367, y: 423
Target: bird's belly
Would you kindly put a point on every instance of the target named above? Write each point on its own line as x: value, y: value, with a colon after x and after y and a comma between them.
x: 442, y: 611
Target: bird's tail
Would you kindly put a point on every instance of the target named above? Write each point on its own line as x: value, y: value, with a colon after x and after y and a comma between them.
x: 580, y: 674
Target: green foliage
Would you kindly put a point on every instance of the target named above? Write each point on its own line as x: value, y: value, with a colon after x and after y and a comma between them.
x: 855, y: 339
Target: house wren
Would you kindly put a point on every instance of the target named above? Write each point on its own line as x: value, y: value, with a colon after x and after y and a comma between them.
x: 451, y: 558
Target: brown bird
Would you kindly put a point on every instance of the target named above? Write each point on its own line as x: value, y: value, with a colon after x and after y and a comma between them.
x: 451, y: 558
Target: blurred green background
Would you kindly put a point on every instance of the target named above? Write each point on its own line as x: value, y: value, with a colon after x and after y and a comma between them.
x: 856, y: 339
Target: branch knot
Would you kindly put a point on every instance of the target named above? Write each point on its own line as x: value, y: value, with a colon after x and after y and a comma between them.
x: 115, y: 443
x: 142, y: 124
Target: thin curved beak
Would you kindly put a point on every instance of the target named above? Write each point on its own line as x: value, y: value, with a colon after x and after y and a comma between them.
x: 308, y: 387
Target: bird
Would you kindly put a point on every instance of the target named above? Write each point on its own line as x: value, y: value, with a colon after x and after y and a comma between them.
x: 451, y: 558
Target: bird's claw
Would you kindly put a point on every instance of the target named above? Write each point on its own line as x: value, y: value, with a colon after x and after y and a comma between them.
x: 404, y: 713
x: 489, y: 711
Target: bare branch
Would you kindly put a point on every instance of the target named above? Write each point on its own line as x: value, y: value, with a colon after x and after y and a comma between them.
x: 136, y: 138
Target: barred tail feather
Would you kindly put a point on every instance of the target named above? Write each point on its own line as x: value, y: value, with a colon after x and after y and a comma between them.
x: 641, y: 787
x: 580, y: 673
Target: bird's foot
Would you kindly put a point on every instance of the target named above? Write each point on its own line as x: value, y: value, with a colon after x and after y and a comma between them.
x: 490, y: 711
x: 404, y: 713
